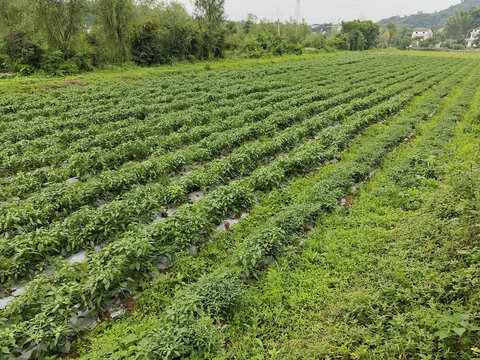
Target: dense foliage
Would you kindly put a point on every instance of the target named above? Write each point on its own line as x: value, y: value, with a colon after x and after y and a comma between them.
x: 461, y: 24
x: 69, y: 36
x: 362, y: 35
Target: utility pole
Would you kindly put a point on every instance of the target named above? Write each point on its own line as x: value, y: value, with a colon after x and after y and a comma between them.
x: 298, y: 12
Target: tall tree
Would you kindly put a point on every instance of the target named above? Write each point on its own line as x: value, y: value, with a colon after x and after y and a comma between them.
x: 210, y: 15
x: 462, y: 23
x: 166, y: 35
x: 115, y: 19
x: 458, y: 26
x: 15, y: 14
x: 61, y: 21
x: 368, y: 29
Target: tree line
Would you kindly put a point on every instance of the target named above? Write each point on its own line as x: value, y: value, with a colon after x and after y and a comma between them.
x: 67, y: 36
x: 462, y: 23
x: 71, y: 35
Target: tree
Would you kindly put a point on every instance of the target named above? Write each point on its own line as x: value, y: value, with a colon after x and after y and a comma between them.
x: 210, y: 15
x: 24, y: 53
x: 357, y: 40
x: 368, y: 29
x: 406, y: 42
x: 315, y: 40
x: 62, y: 21
x: 458, y: 26
x: 295, y: 33
x: 164, y: 37
x: 115, y: 19
x: 385, y: 37
x: 461, y: 23
x: 269, y: 44
x: 395, y: 34
x: 14, y: 14
x: 339, y: 41
x: 146, y: 44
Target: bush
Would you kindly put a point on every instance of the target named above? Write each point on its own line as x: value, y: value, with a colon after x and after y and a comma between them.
x: 147, y: 46
x: 316, y: 41
x: 55, y: 64
x: 83, y: 59
x: 24, y: 54
x: 339, y: 41
x: 165, y: 38
x: 457, y: 47
x: 52, y: 62
x: 265, y: 44
x: 69, y: 67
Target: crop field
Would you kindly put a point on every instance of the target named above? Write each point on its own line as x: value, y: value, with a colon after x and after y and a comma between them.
x: 324, y: 208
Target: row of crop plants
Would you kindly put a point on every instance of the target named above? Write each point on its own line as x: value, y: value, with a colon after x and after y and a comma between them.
x: 191, y: 324
x: 60, y: 199
x: 129, y: 143
x: 135, y: 253
x: 90, y: 226
x: 121, y: 107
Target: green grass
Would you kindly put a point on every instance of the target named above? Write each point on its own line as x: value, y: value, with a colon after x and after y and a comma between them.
x: 130, y: 72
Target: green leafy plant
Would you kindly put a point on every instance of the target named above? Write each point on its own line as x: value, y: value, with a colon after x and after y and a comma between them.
x: 457, y: 325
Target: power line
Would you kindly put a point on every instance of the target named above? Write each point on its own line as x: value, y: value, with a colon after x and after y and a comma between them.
x: 298, y: 11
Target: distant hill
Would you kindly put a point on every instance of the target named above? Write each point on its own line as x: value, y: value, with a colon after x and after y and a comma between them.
x: 436, y: 20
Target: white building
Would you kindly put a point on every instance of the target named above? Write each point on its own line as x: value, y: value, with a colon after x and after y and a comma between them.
x: 473, y: 36
x: 424, y: 33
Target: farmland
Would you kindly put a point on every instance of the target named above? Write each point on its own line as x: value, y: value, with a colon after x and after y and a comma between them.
x: 322, y: 208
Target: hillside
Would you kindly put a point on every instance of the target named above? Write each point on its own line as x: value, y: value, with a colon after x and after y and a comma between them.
x: 436, y: 19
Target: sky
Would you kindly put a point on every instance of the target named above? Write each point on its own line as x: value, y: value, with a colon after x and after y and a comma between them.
x: 321, y: 11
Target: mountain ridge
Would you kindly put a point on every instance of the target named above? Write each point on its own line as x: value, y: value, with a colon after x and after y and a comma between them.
x: 435, y: 20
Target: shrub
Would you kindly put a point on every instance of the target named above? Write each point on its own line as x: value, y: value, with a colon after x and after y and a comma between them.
x: 339, y: 41
x: 458, y: 47
x: 147, y: 46
x: 52, y: 62
x: 25, y: 54
x: 315, y: 41
x: 265, y: 44
x: 83, y: 59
